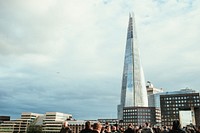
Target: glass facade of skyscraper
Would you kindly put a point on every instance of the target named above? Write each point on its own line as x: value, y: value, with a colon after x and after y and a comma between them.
x: 133, y: 91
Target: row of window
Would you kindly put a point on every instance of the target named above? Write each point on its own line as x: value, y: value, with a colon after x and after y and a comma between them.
x: 132, y: 117
x: 183, y: 101
x: 181, y: 105
x: 136, y: 110
x: 138, y: 113
x: 180, y: 97
x: 135, y: 122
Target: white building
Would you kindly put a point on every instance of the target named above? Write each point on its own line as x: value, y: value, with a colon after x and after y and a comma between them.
x: 19, y: 125
x: 53, y: 121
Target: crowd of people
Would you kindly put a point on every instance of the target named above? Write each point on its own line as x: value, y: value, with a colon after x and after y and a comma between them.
x: 145, y: 128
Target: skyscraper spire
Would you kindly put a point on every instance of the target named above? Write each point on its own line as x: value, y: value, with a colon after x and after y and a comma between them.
x: 133, y: 91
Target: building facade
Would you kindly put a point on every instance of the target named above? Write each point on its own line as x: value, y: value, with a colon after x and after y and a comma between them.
x: 139, y: 115
x: 53, y: 121
x: 151, y: 89
x: 20, y: 125
x: 109, y: 121
x: 4, y: 118
x: 171, y: 105
x: 133, y: 91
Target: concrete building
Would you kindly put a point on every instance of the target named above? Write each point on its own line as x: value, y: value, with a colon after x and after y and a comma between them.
x: 110, y: 121
x: 20, y: 125
x: 153, y: 95
x: 139, y: 115
x: 173, y: 103
x: 151, y: 89
x: 4, y: 118
x: 53, y: 121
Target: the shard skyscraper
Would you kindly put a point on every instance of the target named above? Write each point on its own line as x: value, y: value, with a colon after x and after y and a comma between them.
x: 133, y: 91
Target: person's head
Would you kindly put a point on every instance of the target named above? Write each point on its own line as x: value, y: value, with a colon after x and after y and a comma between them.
x: 130, y: 126
x: 117, y: 126
x: 121, y: 129
x: 106, y: 123
x: 198, y: 128
x: 140, y: 127
x: 136, y: 127
x: 87, y: 125
x: 97, y: 126
x: 176, y: 124
x: 164, y: 127
x: 146, y: 124
x: 113, y: 128
x: 65, y: 124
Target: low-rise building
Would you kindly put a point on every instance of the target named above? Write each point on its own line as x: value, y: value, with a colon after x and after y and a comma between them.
x: 20, y: 125
x: 139, y: 115
x: 53, y: 121
x: 4, y: 118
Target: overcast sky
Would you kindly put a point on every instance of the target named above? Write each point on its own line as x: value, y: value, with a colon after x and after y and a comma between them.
x: 67, y: 55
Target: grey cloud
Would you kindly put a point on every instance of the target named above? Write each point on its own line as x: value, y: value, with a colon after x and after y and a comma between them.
x: 70, y: 59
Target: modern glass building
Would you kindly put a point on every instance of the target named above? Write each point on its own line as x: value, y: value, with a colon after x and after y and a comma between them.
x: 133, y: 91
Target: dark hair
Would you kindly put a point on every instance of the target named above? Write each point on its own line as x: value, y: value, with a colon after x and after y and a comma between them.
x: 198, y: 127
x: 176, y: 125
x: 87, y: 125
x: 96, y: 125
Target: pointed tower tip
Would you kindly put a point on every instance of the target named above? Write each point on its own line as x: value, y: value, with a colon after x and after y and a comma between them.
x: 131, y: 15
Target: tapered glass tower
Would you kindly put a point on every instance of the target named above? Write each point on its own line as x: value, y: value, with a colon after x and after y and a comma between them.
x: 133, y: 91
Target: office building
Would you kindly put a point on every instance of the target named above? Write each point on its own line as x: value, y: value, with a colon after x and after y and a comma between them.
x: 4, y: 118
x: 133, y: 91
x: 133, y: 106
x: 20, y: 125
x: 109, y: 121
x: 53, y: 121
x: 138, y: 116
x: 151, y: 89
x: 173, y: 103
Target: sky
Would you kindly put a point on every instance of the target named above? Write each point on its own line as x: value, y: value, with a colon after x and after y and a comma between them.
x: 67, y: 55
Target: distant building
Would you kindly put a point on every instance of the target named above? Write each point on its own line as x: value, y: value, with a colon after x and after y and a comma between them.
x: 171, y: 103
x: 151, y: 89
x: 133, y: 106
x: 4, y: 118
x: 133, y: 91
x: 19, y: 125
x: 139, y: 115
x: 110, y: 121
x: 53, y: 121
x: 153, y: 95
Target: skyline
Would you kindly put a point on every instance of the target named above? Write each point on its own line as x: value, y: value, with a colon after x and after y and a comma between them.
x: 68, y: 56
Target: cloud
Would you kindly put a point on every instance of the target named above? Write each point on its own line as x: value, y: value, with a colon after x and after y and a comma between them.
x: 67, y: 56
